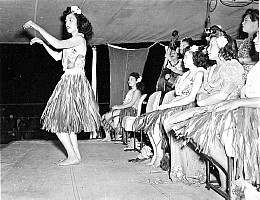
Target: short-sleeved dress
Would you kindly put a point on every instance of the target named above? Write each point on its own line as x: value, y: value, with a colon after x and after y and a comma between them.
x: 72, y: 107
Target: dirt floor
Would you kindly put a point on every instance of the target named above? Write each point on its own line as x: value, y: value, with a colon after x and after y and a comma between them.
x: 28, y: 172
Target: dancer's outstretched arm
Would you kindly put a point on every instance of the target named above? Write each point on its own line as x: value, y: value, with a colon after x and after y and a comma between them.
x: 58, y: 44
x: 55, y: 54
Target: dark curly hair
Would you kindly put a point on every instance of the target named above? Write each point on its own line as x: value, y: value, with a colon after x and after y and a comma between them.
x: 253, y: 14
x: 230, y: 50
x: 83, y: 24
x: 189, y: 42
x: 139, y: 85
x: 200, y: 58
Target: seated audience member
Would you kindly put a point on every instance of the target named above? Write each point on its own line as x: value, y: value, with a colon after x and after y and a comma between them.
x: 223, y: 81
x: 247, y: 54
x: 181, y: 98
x: 112, y: 119
x: 172, y: 68
x: 173, y: 65
x: 184, y: 45
x: 241, y: 135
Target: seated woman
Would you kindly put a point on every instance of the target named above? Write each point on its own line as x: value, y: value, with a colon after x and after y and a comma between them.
x: 247, y: 54
x: 173, y: 65
x: 172, y: 68
x: 182, y: 98
x: 111, y: 120
x: 240, y: 121
x: 185, y: 44
x: 222, y: 82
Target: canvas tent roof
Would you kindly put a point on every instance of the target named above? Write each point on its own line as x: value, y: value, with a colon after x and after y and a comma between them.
x: 119, y: 21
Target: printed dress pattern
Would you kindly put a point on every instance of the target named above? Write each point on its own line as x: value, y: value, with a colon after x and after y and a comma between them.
x: 244, y: 52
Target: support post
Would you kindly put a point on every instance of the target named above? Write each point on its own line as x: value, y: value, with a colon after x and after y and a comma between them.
x: 94, y: 71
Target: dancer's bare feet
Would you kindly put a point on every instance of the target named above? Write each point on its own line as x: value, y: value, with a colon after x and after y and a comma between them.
x: 78, y: 155
x: 61, y: 160
x: 69, y: 161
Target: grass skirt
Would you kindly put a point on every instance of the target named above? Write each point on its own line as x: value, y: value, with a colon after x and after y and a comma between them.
x: 123, y: 113
x: 237, y: 129
x: 147, y: 121
x: 72, y: 107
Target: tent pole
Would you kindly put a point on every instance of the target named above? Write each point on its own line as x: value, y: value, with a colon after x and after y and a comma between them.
x: 94, y: 71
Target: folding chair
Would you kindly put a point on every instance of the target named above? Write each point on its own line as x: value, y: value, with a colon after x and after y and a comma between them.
x: 213, y: 184
x: 127, y: 122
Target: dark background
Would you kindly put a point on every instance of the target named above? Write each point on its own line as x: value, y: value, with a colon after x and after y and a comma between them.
x: 29, y: 75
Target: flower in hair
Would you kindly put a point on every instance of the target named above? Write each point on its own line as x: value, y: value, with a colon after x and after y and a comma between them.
x: 139, y: 79
x: 221, y: 41
x: 194, y: 48
x: 75, y: 9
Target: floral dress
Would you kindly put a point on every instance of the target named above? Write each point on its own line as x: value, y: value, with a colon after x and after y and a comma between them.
x: 72, y: 107
x: 244, y: 52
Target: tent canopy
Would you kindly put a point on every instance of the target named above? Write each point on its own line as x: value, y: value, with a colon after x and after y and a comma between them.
x: 119, y: 21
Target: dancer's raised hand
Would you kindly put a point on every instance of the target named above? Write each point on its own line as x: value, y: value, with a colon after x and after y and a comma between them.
x: 31, y: 24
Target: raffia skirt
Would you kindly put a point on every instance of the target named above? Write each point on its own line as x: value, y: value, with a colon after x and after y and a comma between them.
x: 72, y: 107
x: 147, y: 121
x: 238, y: 130
x: 130, y: 111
